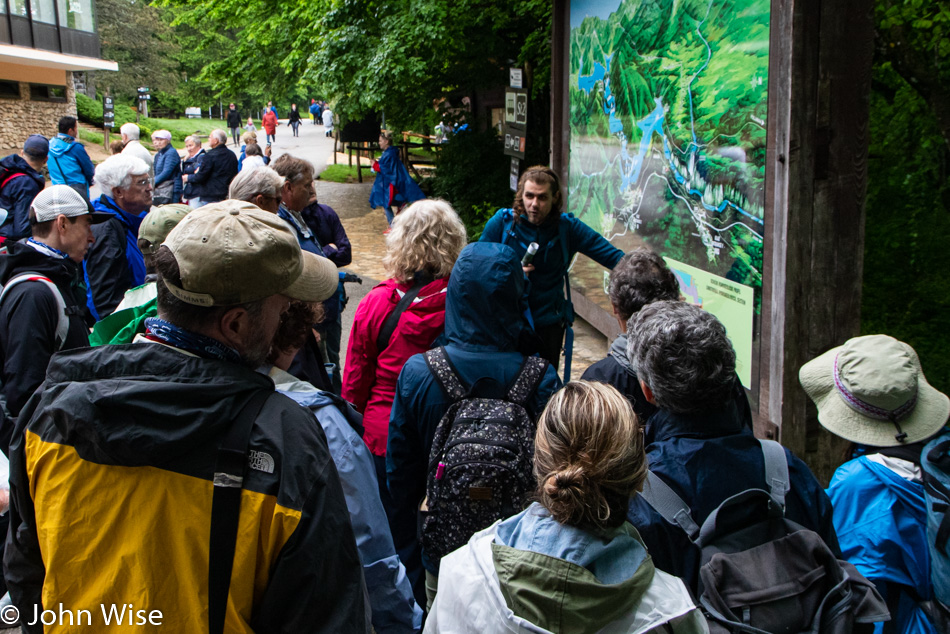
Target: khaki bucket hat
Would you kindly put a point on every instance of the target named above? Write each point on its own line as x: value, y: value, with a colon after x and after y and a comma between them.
x: 233, y: 252
x: 872, y: 391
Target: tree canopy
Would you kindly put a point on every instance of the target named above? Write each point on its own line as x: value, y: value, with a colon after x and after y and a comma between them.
x: 367, y: 55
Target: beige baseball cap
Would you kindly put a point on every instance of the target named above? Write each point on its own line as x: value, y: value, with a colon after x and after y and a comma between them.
x: 233, y: 252
x: 159, y: 222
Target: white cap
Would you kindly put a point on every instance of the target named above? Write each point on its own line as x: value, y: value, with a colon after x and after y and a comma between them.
x: 63, y: 200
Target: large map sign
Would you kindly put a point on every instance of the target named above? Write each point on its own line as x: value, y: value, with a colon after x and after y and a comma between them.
x: 668, y: 133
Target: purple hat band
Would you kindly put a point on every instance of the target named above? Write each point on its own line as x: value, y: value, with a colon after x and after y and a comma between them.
x: 872, y: 411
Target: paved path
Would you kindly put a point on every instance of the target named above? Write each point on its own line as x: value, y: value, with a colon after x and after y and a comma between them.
x: 365, y: 227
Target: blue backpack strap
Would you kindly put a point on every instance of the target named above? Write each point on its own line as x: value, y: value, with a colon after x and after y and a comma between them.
x: 506, y: 229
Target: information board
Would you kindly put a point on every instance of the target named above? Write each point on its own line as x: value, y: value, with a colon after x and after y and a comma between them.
x: 668, y: 112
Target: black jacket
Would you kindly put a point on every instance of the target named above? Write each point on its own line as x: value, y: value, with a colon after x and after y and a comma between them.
x: 117, y: 451
x: 218, y: 168
x: 616, y: 370
x: 28, y: 319
x: 234, y: 119
x: 189, y: 166
x: 293, y: 116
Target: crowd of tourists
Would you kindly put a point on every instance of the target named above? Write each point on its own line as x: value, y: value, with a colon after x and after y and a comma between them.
x: 183, y: 443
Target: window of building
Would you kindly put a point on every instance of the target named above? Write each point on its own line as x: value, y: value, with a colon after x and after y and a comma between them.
x: 18, y: 7
x: 76, y: 14
x: 44, y: 11
x: 45, y: 92
x: 9, y: 90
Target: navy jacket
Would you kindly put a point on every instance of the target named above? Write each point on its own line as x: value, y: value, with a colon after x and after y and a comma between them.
x: 617, y: 371
x: 218, y: 168
x: 326, y: 226
x: 189, y: 166
x: 483, y: 321
x: 546, y: 295
x: 706, y: 458
x: 17, y: 195
x: 168, y: 168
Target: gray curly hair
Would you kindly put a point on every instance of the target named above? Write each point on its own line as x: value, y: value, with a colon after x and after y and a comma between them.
x: 683, y: 355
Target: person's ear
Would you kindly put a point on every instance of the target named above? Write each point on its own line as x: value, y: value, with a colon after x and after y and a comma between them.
x: 234, y: 325
x: 61, y: 222
x: 647, y: 393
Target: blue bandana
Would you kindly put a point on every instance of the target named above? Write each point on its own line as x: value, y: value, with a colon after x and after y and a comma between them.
x: 47, y: 249
x: 206, y: 347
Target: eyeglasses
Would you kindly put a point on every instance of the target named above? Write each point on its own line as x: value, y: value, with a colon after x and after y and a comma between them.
x: 142, y: 183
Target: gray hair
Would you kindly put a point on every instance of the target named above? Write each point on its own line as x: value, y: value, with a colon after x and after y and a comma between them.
x: 251, y: 182
x: 117, y: 171
x: 640, y: 278
x: 130, y: 130
x: 195, y: 139
x: 683, y: 355
x: 220, y: 135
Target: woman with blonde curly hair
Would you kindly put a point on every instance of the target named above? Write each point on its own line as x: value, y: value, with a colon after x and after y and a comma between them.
x: 421, y: 249
x: 570, y: 562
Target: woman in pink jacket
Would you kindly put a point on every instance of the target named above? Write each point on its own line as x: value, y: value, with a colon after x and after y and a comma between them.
x: 421, y: 249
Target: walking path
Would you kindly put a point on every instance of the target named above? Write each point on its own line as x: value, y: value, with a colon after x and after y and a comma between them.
x: 365, y: 227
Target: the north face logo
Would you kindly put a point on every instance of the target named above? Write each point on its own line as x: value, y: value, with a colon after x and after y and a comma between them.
x: 260, y: 461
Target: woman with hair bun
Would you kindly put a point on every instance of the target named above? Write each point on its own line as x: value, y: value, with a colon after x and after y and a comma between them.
x: 570, y: 562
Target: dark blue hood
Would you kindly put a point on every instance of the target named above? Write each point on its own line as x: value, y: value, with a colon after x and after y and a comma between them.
x: 484, y: 308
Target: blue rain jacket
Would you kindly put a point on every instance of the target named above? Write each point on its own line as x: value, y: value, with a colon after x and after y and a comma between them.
x: 68, y: 163
x: 390, y: 594
x: 393, y: 172
x: 483, y: 320
x: 881, y: 521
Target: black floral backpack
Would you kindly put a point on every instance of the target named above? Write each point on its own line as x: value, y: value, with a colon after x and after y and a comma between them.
x: 481, y: 463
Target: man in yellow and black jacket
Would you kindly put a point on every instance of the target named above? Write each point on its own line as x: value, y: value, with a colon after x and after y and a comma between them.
x: 113, y: 459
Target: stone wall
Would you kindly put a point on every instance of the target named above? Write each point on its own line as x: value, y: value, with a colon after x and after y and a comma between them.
x: 19, y: 118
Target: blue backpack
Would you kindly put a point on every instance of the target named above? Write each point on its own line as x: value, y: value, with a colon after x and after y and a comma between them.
x: 935, y: 464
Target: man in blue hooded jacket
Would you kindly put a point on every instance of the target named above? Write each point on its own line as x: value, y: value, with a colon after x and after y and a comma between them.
x: 69, y: 164
x: 536, y: 217
x: 483, y: 324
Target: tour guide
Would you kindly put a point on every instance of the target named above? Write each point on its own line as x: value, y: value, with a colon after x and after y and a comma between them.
x: 536, y: 217
x: 115, y: 463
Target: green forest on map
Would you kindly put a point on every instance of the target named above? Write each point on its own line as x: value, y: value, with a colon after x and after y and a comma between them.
x: 668, y: 110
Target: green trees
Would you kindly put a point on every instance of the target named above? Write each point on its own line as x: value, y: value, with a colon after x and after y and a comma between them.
x: 906, y: 290
x: 366, y: 55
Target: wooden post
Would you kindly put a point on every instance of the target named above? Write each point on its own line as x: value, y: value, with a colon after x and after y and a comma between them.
x: 819, y: 103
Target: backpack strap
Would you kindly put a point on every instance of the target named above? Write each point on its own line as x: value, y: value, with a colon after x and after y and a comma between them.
x: 389, y: 326
x: 62, y: 322
x: 669, y: 505
x: 229, y: 469
x: 528, y: 379
x: 10, y: 178
x: 776, y: 469
x: 509, y: 224
x: 445, y: 373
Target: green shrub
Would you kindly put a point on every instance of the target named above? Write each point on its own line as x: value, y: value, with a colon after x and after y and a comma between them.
x: 90, y: 110
x: 472, y: 174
